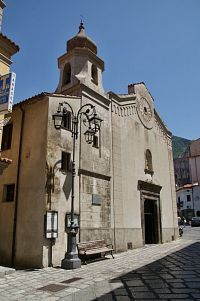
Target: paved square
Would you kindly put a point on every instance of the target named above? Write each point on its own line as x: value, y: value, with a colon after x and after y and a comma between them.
x: 170, y: 271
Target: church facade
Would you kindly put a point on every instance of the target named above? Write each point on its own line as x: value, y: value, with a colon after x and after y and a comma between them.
x: 124, y: 184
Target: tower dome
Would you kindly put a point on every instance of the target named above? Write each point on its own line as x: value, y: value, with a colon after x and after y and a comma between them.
x: 80, y: 65
x: 81, y: 40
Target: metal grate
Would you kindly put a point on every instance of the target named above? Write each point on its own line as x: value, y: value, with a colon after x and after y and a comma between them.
x: 52, y: 288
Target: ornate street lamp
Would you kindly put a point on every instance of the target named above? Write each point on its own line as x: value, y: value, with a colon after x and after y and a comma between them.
x: 93, y: 123
x: 89, y: 136
x: 58, y: 118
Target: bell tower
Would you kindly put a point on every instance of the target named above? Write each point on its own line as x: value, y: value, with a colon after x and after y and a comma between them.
x: 80, y: 65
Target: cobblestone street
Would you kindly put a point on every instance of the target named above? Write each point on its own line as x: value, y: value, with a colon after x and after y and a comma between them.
x: 155, y: 272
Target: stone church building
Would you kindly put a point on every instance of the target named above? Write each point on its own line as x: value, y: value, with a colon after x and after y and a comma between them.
x: 124, y: 184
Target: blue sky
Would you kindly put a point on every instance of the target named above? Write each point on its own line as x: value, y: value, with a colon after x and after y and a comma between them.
x: 154, y: 41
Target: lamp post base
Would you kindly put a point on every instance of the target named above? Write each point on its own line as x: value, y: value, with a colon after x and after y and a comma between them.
x: 71, y: 260
x: 71, y: 263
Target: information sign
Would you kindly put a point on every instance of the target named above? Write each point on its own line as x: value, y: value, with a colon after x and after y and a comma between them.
x: 51, y: 224
x: 7, y: 88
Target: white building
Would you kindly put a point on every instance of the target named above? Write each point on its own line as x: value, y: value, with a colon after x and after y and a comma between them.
x: 188, y: 200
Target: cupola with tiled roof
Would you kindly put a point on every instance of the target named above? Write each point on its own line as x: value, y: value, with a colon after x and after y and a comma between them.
x: 80, y: 65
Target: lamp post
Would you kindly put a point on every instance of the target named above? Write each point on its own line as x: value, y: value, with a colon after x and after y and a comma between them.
x: 93, y: 123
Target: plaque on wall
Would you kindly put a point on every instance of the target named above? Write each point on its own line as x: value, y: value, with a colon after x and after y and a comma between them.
x: 96, y: 199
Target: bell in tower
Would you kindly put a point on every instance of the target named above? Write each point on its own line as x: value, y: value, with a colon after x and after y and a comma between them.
x: 80, y: 65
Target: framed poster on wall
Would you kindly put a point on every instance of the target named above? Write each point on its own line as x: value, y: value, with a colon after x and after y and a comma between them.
x: 51, y: 230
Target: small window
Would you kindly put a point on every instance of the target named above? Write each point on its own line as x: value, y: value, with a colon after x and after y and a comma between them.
x: 66, y: 162
x: 188, y: 198
x: 66, y: 124
x: 67, y: 74
x: 6, y: 137
x: 9, y: 191
x: 96, y: 141
x: 94, y: 74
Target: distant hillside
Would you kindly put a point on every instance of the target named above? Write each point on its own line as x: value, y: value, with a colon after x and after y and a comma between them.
x: 179, y: 145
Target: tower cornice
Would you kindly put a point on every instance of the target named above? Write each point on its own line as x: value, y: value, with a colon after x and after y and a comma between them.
x: 81, y: 52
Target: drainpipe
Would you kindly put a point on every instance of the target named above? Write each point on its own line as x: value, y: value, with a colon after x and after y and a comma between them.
x: 14, y: 237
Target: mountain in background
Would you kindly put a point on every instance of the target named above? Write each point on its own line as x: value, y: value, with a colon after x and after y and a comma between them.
x: 179, y: 146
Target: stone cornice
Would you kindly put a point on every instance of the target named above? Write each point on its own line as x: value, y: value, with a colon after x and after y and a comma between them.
x: 81, y: 52
x: 148, y: 186
x: 78, y: 89
x: 123, y: 110
x: 123, y: 105
x: 122, y: 100
x: 95, y: 96
x: 93, y: 174
x: 161, y: 124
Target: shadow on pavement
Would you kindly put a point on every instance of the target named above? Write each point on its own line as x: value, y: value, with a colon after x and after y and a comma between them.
x: 174, y: 277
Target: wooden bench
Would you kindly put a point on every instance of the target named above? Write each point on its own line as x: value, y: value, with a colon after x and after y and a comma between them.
x: 88, y: 249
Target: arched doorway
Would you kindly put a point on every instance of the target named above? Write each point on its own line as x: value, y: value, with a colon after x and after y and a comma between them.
x: 150, y: 222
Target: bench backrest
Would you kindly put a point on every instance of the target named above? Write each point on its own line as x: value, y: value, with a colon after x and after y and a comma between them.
x: 94, y: 244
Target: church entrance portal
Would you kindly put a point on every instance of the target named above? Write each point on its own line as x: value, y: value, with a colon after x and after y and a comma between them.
x: 150, y: 222
x: 150, y: 212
